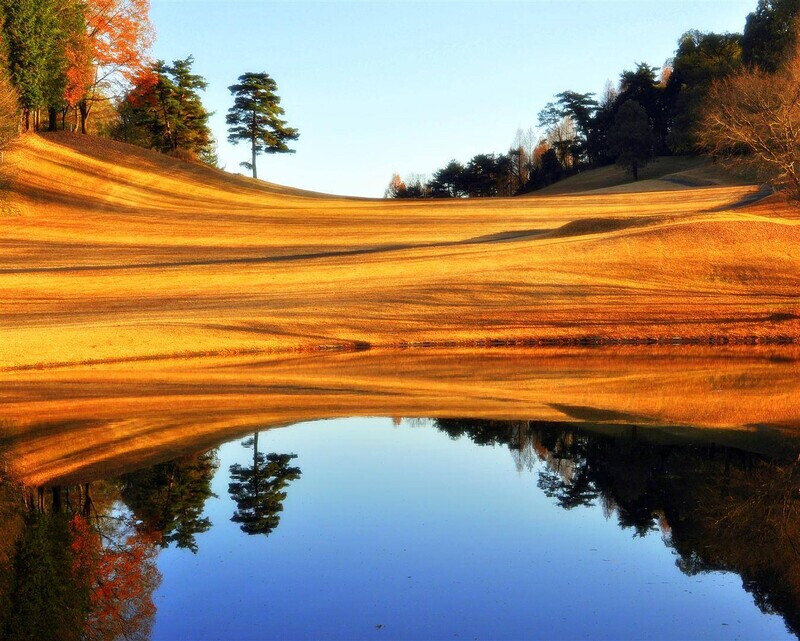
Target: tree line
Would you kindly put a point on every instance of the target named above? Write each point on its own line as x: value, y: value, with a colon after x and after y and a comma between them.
x: 729, y: 95
x: 84, y: 65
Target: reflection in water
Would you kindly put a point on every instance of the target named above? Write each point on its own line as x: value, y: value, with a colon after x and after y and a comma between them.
x: 257, y: 489
x: 167, y: 500
x: 720, y: 508
x: 74, y: 567
x: 80, y: 562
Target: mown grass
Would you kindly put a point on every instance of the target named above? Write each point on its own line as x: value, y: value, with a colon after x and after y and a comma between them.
x: 119, y: 253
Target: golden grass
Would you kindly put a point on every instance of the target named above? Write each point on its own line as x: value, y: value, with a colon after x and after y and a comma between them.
x: 113, y: 253
x: 150, y: 308
x: 74, y: 424
x: 663, y: 173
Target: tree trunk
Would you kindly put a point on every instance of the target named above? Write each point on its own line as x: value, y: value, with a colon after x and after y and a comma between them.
x: 26, y: 119
x: 83, y: 107
x: 52, y: 116
x: 87, y: 504
x: 253, y: 133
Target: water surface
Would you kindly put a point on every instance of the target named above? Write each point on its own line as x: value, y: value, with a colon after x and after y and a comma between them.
x: 422, y: 528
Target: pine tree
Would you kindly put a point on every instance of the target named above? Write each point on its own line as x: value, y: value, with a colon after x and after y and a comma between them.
x: 164, y: 111
x: 631, y: 138
x: 258, y: 489
x: 256, y: 117
x: 9, y: 101
x: 189, y: 122
x: 29, y: 41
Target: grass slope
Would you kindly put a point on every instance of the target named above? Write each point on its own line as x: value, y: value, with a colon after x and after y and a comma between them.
x: 662, y: 174
x: 111, y: 253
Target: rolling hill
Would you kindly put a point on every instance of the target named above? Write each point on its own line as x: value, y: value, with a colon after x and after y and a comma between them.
x: 113, y: 253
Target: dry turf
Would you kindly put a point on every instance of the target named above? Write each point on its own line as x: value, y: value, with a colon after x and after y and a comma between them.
x: 150, y: 307
x: 112, y: 253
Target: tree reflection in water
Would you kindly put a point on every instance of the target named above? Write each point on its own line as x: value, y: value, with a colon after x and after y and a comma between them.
x: 258, y: 489
x: 720, y: 508
x: 74, y: 567
x: 79, y: 562
x: 167, y: 500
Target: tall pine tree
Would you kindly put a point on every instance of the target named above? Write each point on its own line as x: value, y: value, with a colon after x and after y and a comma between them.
x: 256, y: 118
x: 258, y: 489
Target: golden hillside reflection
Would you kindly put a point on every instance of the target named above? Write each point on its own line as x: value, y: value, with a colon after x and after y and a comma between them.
x: 75, y: 424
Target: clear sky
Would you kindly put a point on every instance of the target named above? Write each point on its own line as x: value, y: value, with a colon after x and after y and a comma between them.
x: 378, y: 88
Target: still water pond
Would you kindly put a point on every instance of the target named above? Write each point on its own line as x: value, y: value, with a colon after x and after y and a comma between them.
x: 422, y: 529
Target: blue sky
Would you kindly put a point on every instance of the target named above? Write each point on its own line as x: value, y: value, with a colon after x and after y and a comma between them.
x: 377, y: 88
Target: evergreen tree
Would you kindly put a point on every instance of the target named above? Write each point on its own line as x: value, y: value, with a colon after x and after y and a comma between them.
x: 45, y: 602
x: 770, y: 33
x: 258, y: 489
x: 482, y: 175
x: 31, y: 34
x: 9, y: 101
x: 580, y: 109
x: 631, y: 138
x: 168, y: 499
x: 550, y: 168
x: 164, y: 111
x: 449, y: 181
x: 189, y: 119
x: 643, y: 87
x: 255, y: 117
x: 700, y: 59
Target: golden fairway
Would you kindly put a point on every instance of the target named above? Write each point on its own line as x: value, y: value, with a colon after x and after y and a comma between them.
x: 150, y: 307
x: 110, y: 252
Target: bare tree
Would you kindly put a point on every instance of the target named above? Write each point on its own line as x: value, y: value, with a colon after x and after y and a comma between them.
x: 396, y: 187
x: 753, y: 118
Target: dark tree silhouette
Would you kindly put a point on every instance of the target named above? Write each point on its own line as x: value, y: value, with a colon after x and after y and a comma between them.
x: 700, y: 59
x: 721, y: 508
x: 168, y: 499
x: 631, y: 138
x: 44, y: 602
x: 770, y: 33
x: 256, y: 118
x: 449, y: 182
x: 258, y: 489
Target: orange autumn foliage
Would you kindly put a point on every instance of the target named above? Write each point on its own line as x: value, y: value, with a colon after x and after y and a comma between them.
x: 112, y: 50
x: 120, y: 578
x: 120, y: 34
x: 80, y: 70
x: 143, y: 84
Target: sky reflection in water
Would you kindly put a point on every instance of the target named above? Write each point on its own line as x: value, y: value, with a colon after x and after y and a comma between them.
x: 405, y: 532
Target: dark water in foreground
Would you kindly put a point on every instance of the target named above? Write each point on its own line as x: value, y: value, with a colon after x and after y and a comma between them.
x: 451, y: 529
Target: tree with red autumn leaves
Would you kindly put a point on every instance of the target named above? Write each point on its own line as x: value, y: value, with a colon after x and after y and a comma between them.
x: 66, y: 54
x: 120, y: 575
x: 109, y: 53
